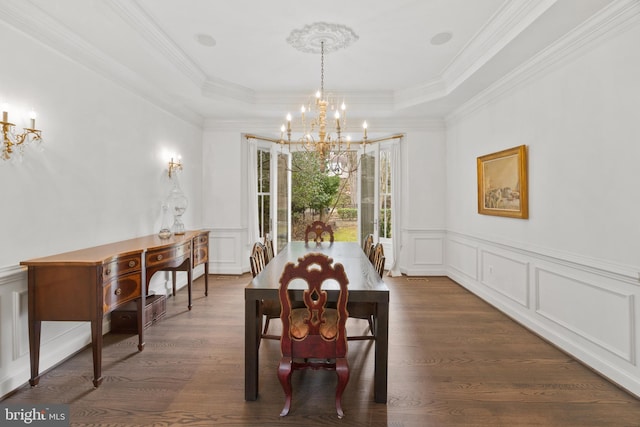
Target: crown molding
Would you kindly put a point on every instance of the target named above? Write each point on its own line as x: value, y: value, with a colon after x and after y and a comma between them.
x: 613, y: 19
x: 506, y: 24
x: 509, y: 21
x: 217, y: 88
x: 406, y: 98
x: 131, y: 12
x: 28, y: 19
x: 269, y: 127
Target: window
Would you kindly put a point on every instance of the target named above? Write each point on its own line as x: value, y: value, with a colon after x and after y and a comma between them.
x: 384, y: 222
x: 264, y: 191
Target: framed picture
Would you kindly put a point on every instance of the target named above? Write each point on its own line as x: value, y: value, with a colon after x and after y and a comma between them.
x: 502, y: 183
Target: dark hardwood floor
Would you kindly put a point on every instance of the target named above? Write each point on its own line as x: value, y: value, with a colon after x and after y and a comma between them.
x: 453, y: 361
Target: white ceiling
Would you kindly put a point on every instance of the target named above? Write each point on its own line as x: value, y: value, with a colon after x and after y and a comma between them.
x: 392, y: 70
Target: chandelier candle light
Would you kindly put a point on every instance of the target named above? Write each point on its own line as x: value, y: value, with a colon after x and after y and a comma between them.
x: 324, y: 144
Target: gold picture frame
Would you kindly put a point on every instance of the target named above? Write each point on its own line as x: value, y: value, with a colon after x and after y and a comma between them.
x: 502, y: 183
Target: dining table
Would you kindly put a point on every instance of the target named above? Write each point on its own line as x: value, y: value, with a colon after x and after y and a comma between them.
x: 365, y: 285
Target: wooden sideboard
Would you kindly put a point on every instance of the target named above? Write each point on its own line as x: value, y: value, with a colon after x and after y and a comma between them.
x: 87, y: 284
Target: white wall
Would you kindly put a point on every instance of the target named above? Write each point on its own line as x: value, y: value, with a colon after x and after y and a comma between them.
x: 100, y: 179
x: 225, y: 199
x: 424, y: 201
x: 569, y: 272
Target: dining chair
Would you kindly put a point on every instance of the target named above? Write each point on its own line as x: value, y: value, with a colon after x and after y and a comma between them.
x: 257, y: 258
x: 367, y: 245
x: 268, y: 244
x: 376, y: 251
x: 316, y: 232
x: 367, y: 310
x: 270, y: 309
x: 313, y: 336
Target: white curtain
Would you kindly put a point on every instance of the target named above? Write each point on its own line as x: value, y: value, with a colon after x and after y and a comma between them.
x: 396, y: 207
x: 253, y: 228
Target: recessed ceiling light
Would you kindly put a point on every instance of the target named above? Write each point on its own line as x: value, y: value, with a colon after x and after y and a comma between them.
x: 205, y: 40
x: 441, y: 38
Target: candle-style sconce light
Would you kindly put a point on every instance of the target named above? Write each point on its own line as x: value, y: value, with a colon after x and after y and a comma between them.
x: 174, y: 166
x: 13, y: 143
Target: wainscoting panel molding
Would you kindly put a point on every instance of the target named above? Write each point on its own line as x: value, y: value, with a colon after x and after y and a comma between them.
x: 600, y: 315
x: 227, y: 248
x: 588, y: 310
x: 423, y: 253
x: 462, y: 256
x: 506, y: 275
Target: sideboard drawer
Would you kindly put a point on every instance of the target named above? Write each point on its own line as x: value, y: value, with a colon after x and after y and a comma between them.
x: 202, y: 240
x: 120, y: 266
x: 124, y: 320
x: 168, y: 256
x: 200, y: 254
x: 118, y: 291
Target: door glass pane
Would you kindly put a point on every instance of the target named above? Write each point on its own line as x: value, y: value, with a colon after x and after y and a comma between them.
x: 343, y: 214
x: 264, y: 192
x: 283, y: 202
x: 384, y: 231
x: 367, y: 194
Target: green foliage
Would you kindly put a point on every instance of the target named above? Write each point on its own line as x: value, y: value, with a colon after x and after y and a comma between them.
x: 348, y: 214
x: 385, y: 223
x: 311, y: 187
x: 346, y: 234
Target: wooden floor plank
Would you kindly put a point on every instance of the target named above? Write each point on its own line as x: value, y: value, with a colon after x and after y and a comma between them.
x: 453, y: 361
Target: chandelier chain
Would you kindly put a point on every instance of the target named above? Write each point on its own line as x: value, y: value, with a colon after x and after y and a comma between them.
x: 322, y: 69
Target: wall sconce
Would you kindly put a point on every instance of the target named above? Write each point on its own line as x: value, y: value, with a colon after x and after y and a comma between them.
x: 174, y: 166
x: 12, y: 142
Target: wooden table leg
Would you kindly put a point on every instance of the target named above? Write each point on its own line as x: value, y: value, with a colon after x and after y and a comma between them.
x: 206, y: 278
x: 173, y: 283
x: 96, y: 346
x: 35, y: 326
x: 35, y: 329
x: 382, y: 353
x: 251, y: 338
x: 189, y: 282
x: 141, y: 304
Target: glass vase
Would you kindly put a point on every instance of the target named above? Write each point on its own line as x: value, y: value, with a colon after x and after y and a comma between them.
x: 178, y: 203
x: 165, y: 231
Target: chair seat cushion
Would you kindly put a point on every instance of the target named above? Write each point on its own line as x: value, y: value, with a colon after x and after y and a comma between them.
x: 299, y: 327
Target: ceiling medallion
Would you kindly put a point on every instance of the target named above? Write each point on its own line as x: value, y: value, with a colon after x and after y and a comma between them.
x: 310, y: 38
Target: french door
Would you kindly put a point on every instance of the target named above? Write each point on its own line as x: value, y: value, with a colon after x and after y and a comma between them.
x: 374, y: 189
x: 374, y: 177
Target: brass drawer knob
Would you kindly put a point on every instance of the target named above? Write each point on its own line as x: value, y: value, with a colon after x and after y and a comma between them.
x: 118, y: 291
x: 159, y: 257
x: 132, y: 263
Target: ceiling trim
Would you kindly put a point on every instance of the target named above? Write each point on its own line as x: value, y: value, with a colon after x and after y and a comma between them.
x: 506, y: 24
x: 266, y: 126
x: 214, y: 88
x: 613, y: 19
x: 132, y: 13
x: 29, y: 19
x: 510, y: 20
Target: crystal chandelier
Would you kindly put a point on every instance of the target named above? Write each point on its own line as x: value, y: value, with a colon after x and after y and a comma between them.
x: 317, y: 133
